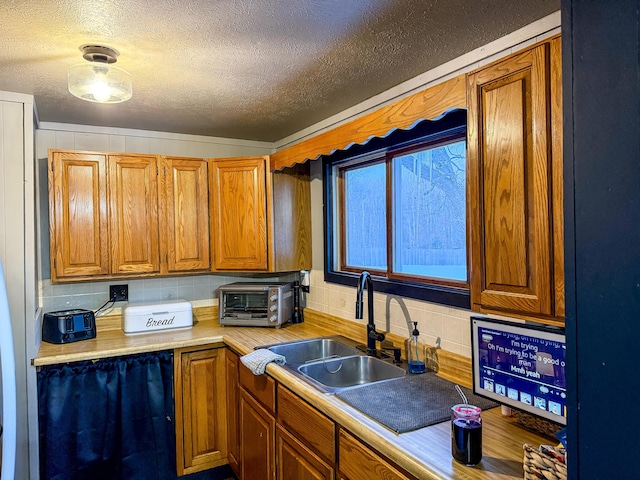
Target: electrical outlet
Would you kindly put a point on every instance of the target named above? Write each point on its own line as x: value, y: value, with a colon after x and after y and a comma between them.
x: 119, y: 293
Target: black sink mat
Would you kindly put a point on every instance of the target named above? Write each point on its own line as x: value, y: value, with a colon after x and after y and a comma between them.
x: 411, y: 402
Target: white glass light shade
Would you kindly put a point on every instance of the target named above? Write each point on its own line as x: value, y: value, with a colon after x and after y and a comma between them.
x: 99, y: 82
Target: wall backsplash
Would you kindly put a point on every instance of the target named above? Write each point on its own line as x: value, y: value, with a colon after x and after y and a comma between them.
x: 202, y: 289
x: 446, y: 326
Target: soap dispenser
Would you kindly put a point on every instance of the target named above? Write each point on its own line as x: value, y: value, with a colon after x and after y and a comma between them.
x: 415, y: 360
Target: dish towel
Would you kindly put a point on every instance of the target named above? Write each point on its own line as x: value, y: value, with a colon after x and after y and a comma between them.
x: 257, y: 360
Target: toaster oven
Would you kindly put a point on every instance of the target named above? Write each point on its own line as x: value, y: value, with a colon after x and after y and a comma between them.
x: 254, y: 304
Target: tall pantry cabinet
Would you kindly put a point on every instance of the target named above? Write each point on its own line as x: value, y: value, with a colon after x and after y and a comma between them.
x: 515, y: 185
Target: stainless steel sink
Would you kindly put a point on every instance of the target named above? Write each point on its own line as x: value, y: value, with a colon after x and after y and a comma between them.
x: 347, y: 372
x: 305, y: 351
x: 333, y: 363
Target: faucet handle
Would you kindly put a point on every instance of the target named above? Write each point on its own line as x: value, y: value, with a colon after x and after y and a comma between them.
x: 387, y: 345
x: 379, y: 336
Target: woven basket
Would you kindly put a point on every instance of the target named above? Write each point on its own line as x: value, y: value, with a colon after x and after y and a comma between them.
x: 539, y: 465
x: 537, y: 424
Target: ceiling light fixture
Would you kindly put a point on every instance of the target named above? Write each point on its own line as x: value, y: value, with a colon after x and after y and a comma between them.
x: 98, y: 80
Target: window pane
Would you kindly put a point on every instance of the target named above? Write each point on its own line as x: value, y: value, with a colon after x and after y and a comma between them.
x: 365, y: 217
x: 429, y: 212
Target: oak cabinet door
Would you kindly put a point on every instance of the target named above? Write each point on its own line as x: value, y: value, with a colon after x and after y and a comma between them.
x: 201, y: 424
x: 133, y: 199
x: 297, y: 461
x: 359, y: 462
x: 511, y: 186
x: 315, y: 429
x: 78, y: 220
x: 233, y: 412
x: 239, y: 213
x: 184, y: 216
x: 257, y: 437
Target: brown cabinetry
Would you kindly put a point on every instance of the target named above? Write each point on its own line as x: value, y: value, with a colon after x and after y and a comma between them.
x: 260, y: 221
x: 257, y: 426
x: 126, y: 215
x: 296, y: 460
x: 239, y: 213
x: 305, y: 440
x: 308, y: 424
x: 300, y: 445
x: 233, y: 411
x: 133, y: 219
x: 257, y: 430
x: 515, y: 185
x: 295, y: 440
x: 359, y: 462
x: 78, y: 214
x: 200, y: 409
x: 132, y: 215
x: 184, y: 218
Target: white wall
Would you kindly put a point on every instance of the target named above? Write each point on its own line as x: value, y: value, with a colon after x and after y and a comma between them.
x: 448, y: 326
x: 197, y: 288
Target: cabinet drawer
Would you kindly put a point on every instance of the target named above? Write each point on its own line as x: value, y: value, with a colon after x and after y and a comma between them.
x: 261, y: 387
x: 307, y: 423
x: 359, y: 462
x: 296, y: 461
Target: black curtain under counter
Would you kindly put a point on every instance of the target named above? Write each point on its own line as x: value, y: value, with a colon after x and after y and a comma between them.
x: 108, y: 419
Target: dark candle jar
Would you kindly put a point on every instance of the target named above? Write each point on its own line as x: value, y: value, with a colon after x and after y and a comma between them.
x: 466, y: 434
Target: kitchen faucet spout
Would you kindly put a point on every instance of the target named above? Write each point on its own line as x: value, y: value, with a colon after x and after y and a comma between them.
x: 365, y: 280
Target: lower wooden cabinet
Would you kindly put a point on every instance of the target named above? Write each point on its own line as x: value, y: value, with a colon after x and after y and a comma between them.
x: 297, y: 461
x: 359, y: 462
x: 312, y: 427
x: 233, y: 411
x: 200, y: 408
x: 257, y: 434
x: 283, y: 437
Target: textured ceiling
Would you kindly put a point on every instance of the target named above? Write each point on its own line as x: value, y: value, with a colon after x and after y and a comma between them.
x: 251, y: 69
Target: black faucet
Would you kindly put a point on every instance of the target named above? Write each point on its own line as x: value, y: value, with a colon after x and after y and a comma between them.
x: 372, y: 335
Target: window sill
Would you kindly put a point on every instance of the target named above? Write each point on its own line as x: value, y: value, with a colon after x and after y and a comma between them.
x: 448, y: 296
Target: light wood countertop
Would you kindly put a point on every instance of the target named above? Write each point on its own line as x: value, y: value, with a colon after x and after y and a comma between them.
x: 425, y: 453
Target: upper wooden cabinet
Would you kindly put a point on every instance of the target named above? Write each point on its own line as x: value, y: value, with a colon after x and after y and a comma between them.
x: 114, y: 215
x: 78, y: 223
x: 259, y: 221
x: 239, y: 213
x: 515, y: 185
x: 184, y: 220
x: 133, y: 219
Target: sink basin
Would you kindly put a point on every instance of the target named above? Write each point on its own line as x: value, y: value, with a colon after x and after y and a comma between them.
x: 347, y: 372
x: 305, y: 351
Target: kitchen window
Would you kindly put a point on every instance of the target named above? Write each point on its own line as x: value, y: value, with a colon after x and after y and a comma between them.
x: 400, y: 213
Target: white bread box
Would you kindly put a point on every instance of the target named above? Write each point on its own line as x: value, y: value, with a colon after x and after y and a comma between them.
x: 151, y: 317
